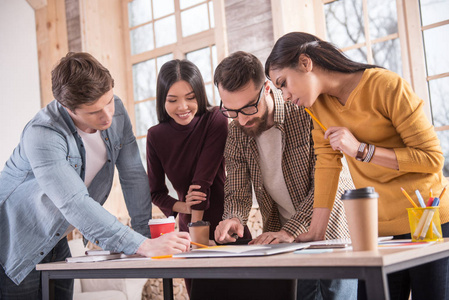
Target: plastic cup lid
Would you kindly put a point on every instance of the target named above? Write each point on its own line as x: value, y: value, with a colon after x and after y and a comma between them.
x: 170, y: 219
x: 199, y: 223
x: 367, y: 192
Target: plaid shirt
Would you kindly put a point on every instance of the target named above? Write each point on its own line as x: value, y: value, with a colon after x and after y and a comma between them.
x: 298, y: 165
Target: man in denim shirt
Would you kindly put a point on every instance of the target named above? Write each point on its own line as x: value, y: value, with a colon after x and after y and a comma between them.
x: 61, y: 173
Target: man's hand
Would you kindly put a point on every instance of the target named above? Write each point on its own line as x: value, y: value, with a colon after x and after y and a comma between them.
x: 281, y: 236
x: 226, y: 229
x: 318, y: 226
x: 167, y: 244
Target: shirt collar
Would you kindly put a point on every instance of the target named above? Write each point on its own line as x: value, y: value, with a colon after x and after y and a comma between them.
x: 279, y: 111
x: 67, y: 119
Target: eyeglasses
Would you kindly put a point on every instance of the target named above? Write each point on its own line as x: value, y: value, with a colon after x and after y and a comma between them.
x: 246, y: 110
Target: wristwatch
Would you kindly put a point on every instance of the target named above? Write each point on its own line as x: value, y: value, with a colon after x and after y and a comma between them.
x: 360, y: 152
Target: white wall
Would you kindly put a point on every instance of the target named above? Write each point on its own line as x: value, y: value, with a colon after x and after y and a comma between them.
x: 19, y: 75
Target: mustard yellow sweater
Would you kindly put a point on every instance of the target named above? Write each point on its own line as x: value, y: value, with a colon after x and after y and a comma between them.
x: 383, y: 111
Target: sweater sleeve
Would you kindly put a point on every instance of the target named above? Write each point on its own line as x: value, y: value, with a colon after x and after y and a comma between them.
x: 238, y: 200
x: 211, y: 156
x: 421, y: 151
x: 327, y: 170
x: 156, y: 177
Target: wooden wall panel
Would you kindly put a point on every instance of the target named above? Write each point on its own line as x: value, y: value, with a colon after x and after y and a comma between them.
x: 250, y: 27
x: 51, y: 35
x: 72, y: 8
x: 102, y: 36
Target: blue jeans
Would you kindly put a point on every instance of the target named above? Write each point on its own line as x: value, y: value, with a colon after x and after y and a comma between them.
x: 31, y: 287
x: 428, y: 281
x: 335, y: 289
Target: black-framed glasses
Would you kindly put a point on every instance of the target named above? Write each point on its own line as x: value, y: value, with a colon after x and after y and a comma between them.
x: 246, y: 110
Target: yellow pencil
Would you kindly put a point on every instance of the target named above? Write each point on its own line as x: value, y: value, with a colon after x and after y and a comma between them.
x: 442, y: 193
x: 430, y: 194
x: 198, y: 245
x: 162, y: 256
x: 316, y: 120
x: 409, y: 199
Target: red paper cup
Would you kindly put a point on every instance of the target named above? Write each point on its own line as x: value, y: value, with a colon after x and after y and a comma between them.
x: 159, y: 227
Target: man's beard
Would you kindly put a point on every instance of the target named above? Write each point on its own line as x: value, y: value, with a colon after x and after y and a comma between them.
x: 259, y: 127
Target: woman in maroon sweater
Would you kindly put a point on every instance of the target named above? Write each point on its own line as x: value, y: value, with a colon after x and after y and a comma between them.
x: 187, y: 146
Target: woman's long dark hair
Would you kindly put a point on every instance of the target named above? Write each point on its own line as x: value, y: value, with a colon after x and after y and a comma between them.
x: 289, y: 47
x: 172, y: 72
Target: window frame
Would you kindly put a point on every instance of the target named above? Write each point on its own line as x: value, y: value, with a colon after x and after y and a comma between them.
x: 208, y: 38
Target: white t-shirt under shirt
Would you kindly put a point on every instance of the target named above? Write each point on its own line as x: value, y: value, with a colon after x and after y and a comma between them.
x: 96, y: 154
x: 269, y: 145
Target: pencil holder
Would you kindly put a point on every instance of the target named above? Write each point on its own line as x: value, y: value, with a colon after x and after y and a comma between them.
x: 425, y: 224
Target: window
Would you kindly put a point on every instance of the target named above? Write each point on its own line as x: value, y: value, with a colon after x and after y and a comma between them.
x: 162, y: 30
x: 367, y: 31
x: 382, y: 32
x: 434, y: 27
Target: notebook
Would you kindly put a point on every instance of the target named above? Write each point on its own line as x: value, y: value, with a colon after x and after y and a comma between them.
x: 242, y: 250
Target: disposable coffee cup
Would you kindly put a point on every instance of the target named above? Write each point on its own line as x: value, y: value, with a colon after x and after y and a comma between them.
x: 159, y: 227
x: 361, y: 212
x: 199, y: 232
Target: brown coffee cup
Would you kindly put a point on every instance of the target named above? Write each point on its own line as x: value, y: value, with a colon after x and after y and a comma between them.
x: 199, y: 232
x: 361, y: 212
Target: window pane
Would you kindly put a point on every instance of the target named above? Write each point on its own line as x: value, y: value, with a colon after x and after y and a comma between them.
x: 165, y: 30
x: 162, y: 8
x: 444, y: 142
x: 436, y: 47
x: 217, y: 96
x: 439, y: 100
x: 161, y: 60
x: 358, y: 55
x: 201, y: 58
x: 142, y: 39
x: 388, y: 55
x: 434, y: 11
x: 194, y: 20
x: 139, y: 11
x: 383, y: 18
x: 211, y: 14
x: 146, y: 116
x: 210, y: 93
x: 188, y: 3
x: 344, y: 23
x: 142, y: 144
x: 214, y: 56
x: 144, y: 78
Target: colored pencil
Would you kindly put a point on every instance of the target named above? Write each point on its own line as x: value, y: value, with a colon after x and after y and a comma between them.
x: 199, y: 245
x: 316, y: 120
x: 408, y: 198
x: 442, y: 192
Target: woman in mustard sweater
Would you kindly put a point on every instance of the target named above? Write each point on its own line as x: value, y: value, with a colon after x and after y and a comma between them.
x: 374, y: 118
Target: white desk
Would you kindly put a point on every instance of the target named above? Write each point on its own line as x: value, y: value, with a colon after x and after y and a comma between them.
x: 372, y: 267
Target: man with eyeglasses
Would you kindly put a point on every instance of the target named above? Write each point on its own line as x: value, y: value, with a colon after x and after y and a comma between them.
x: 270, y: 147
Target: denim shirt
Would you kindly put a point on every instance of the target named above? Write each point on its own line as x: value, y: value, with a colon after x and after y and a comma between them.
x: 42, y: 190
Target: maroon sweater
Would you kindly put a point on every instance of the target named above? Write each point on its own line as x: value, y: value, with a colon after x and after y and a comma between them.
x: 190, y: 154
